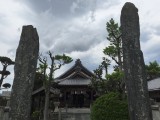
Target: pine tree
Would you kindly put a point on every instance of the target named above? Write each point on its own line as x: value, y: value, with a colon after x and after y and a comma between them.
x: 5, y: 61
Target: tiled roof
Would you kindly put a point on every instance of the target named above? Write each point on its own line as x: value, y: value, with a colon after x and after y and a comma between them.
x: 52, y: 90
x: 74, y: 82
x: 154, y: 84
x: 77, y: 67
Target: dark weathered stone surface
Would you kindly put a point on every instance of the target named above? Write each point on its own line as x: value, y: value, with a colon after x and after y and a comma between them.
x: 134, y: 67
x: 25, y: 68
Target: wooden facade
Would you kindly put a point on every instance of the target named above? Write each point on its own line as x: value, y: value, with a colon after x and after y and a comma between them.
x: 74, y: 86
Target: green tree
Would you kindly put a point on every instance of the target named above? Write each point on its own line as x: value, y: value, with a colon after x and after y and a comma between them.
x: 114, y: 82
x: 114, y: 53
x: 97, y: 82
x: 153, y: 70
x: 5, y: 61
x: 114, y: 50
x: 56, y: 62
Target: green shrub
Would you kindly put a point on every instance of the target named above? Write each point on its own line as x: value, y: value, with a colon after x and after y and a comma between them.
x: 35, y: 115
x: 109, y: 107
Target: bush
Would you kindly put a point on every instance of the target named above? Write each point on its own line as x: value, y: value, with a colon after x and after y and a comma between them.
x: 110, y: 107
x: 35, y: 115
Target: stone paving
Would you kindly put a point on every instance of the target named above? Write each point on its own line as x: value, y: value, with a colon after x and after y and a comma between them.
x: 156, y: 111
x: 156, y: 114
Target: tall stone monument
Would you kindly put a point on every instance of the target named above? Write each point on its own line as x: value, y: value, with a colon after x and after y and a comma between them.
x: 134, y: 67
x: 25, y: 69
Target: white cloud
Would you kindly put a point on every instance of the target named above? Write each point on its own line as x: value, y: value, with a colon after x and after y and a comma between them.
x: 151, y: 48
x: 74, y: 7
x: 13, y: 17
x: 78, y: 29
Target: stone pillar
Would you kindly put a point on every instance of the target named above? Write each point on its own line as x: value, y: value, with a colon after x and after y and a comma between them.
x: 24, y: 69
x: 134, y: 67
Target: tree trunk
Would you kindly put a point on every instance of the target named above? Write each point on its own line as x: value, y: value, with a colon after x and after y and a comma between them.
x: 2, y: 75
x: 46, y: 106
x: 47, y: 91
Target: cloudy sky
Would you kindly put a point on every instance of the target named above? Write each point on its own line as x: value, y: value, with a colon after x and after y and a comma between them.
x: 75, y: 27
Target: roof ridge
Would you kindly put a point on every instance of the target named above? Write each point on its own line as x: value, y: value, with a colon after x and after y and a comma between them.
x: 77, y: 64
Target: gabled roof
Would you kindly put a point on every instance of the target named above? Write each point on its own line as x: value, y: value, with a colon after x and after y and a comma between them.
x: 75, y: 70
x: 76, y: 75
x: 52, y: 90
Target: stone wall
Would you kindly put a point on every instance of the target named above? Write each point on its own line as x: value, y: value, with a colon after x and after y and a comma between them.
x: 72, y: 116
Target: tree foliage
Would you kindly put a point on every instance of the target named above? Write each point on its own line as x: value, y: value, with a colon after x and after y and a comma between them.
x: 6, y: 85
x: 5, y: 61
x: 114, y: 81
x: 114, y: 50
x: 103, y: 66
x: 111, y: 82
x: 35, y: 115
x: 153, y: 70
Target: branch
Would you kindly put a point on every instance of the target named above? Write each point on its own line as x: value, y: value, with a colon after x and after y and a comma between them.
x: 113, y: 34
x: 50, y: 55
x: 117, y: 38
x: 5, y: 76
x: 59, y: 62
x: 59, y: 66
x: 44, y: 60
x: 115, y: 60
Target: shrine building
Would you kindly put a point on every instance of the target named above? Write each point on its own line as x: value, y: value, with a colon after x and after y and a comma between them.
x: 73, y: 88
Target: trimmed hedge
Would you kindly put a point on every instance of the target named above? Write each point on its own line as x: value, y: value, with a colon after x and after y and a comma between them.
x: 109, y: 107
